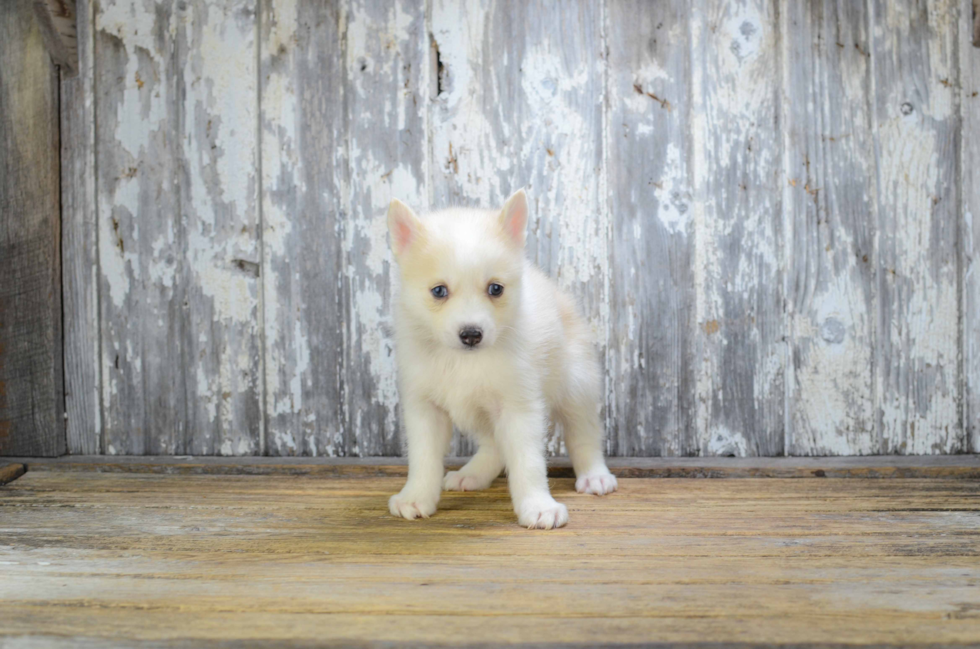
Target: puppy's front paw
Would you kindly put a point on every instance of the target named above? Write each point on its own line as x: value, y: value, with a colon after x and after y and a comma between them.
x: 411, y: 505
x: 599, y: 483
x: 542, y: 513
x: 459, y: 481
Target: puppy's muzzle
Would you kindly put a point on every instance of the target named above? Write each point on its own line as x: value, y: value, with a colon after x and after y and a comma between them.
x: 471, y: 336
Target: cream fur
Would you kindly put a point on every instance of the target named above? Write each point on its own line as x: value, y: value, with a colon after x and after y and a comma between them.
x: 535, y: 361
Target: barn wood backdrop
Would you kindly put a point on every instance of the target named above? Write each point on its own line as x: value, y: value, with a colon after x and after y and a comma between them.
x: 765, y: 209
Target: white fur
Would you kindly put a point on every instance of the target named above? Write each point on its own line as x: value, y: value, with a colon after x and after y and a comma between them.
x: 535, y: 361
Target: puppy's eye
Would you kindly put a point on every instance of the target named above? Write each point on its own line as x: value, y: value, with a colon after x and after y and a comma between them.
x: 439, y: 292
x: 495, y: 290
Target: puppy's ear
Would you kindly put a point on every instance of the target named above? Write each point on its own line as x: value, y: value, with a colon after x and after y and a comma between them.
x: 513, y: 218
x: 403, y: 226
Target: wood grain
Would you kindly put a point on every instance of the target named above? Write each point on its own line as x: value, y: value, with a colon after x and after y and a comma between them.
x: 141, y: 295
x: 31, y: 370
x: 304, y: 560
x: 387, y: 71
x: 969, y: 235
x: 763, y: 208
x: 178, y: 230
x: 650, y: 360
x: 828, y: 202
x: 953, y: 467
x: 916, y: 146
x: 517, y: 103
x: 737, y: 162
x: 10, y: 472
x: 304, y: 207
x: 219, y: 321
x: 57, y: 21
x: 80, y: 247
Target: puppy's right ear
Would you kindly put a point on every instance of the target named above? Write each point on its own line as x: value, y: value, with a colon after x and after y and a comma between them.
x: 404, y: 227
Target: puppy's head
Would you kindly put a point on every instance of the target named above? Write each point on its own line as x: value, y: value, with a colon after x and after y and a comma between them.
x: 461, y: 272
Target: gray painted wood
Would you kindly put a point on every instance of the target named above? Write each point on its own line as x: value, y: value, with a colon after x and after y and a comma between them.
x: 650, y: 361
x: 178, y: 231
x: 771, y: 253
x: 969, y: 236
x: 79, y: 247
x: 828, y: 202
x: 140, y: 298
x: 916, y: 147
x: 31, y: 380
x: 387, y: 94
x: 517, y: 103
x: 218, y: 181
x: 737, y: 162
x: 304, y: 214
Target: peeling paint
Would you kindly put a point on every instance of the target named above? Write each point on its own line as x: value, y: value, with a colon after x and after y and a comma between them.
x: 753, y: 203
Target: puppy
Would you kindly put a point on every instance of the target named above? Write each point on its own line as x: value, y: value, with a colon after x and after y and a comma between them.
x: 486, y: 341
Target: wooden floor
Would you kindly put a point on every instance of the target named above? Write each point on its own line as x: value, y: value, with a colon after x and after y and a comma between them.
x: 113, y: 559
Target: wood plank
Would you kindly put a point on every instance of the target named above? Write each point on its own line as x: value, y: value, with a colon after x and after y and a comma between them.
x: 736, y: 158
x: 650, y: 360
x: 219, y: 322
x: 387, y: 71
x: 916, y: 136
x: 707, y: 562
x: 938, y: 466
x: 31, y: 369
x: 179, y: 254
x: 10, y: 472
x: 969, y: 181
x: 57, y: 22
x: 79, y: 246
x: 138, y: 183
x: 304, y: 194
x: 517, y: 103
x: 828, y: 197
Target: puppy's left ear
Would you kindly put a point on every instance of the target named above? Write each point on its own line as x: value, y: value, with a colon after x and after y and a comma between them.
x: 513, y: 218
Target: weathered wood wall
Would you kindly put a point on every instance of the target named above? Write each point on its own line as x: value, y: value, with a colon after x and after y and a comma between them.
x: 765, y: 208
x: 31, y: 384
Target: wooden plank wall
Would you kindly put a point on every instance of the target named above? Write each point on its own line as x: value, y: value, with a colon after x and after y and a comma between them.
x: 766, y: 209
x: 31, y: 383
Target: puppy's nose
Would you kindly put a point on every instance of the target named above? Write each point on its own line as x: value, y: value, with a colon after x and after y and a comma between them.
x: 471, y: 336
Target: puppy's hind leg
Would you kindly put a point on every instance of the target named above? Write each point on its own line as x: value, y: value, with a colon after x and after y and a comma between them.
x: 583, y: 439
x: 479, y: 472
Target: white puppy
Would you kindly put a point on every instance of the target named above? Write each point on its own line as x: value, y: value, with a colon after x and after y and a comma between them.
x: 486, y: 341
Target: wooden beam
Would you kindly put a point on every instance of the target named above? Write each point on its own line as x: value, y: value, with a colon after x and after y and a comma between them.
x: 10, y: 472
x: 32, y: 403
x: 56, y: 19
x: 881, y: 466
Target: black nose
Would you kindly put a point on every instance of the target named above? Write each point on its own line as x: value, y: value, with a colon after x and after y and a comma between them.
x: 471, y: 336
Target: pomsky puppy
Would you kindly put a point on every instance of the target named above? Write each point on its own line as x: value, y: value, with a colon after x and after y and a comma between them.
x: 486, y: 341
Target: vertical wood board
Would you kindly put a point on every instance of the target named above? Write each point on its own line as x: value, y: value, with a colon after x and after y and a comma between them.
x: 917, y: 148
x: 79, y: 246
x: 219, y: 322
x: 969, y: 235
x: 650, y: 359
x: 31, y: 366
x: 387, y: 97
x: 304, y: 188
x: 737, y: 194
x: 829, y: 203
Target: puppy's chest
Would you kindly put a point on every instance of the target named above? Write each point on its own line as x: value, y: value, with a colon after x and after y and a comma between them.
x: 473, y: 400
